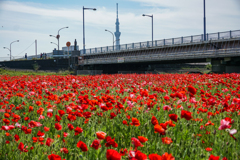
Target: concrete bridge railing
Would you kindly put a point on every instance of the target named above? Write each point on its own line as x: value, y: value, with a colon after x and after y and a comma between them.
x: 167, y: 56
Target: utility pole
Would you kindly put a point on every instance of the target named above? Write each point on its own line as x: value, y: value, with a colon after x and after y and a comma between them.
x: 36, y: 48
x: 204, y: 21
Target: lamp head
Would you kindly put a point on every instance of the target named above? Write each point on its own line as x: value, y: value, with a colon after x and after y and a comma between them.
x: 94, y: 9
x: 4, y: 47
x: 105, y: 30
x: 17, y: 40
x: 50, y: 35
x: 66, y: 27
x: 143, y: 15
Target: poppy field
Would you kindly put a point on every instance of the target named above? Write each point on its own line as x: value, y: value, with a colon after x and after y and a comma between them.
x: 120, y: 117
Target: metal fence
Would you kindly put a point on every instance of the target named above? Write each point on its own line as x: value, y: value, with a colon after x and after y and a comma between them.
x: 31, y: 57
x: 164, y: 42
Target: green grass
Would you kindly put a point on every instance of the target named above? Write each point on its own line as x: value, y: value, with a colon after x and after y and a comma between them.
x: 18, y: 73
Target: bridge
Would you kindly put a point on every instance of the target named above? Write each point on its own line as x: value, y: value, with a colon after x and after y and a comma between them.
x: 222, y: 49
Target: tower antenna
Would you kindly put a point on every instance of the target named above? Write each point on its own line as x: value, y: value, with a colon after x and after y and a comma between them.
x: 117, y: 33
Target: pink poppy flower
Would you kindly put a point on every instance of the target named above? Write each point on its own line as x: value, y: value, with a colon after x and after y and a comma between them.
x: 224, y: 125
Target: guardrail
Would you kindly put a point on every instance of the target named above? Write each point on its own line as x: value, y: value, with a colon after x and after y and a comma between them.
x: 164, y: 42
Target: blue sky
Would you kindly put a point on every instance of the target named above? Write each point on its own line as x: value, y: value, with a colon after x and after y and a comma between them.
x: 26, y: 21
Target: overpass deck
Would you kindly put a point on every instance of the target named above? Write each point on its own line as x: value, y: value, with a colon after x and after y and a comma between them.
x: 200, y: 50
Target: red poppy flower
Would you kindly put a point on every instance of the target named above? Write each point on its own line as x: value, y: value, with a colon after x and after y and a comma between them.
x: 212, y: 157
x: 173, y: 117
x: 101, y: 135
x: 125, y: 122
x: 123, y: 151
x: 71, y: 118
x: 61, y: 112
x: 6, y: 115
x: 46, y: 129
x: 167, y: 140
x: 35, y: 139
x: 110, y: 142
x: 170, y: 123
x: 136, y: 143
x: 6, y: 121
x: 78, y: 130
x: 64, y: 150
x: 164, y: 125
x: 167, y: 156
x: 135, y: 122
x: 96, y: 144
x: 58, y: 118
x: 21, y: 147
x: 142, y: 139
x: 38, y: 103
x: 26, y: 118
x: 40, y: 134
x: 54, y: 157
x: 186, y: 114
x: 159, y: 129
x: 28, y: 131
x: 16, y: 137
x: 154, y: 157
x: 140, y: 156
x: 70, y: 127
x: 58, y: 126
x: 208, y: 149
x: 112, y: 115
x: 154, y: 120
x: 87, y: 115
x: 192, y: 90
x: 113, y: 155
x: 30, y: 109
x: 49, y: 141
x: 82, y: 145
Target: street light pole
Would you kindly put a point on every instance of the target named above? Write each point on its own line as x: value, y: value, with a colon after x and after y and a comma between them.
x: 112, y: 35
x: 10, y: 48
x: 94, y: 9
x: 152, y: 25
x: 54, y: 43
x: 58, y: 36
x: 204, y: 20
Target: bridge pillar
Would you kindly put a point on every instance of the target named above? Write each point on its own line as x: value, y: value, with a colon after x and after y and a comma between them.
x: 232, y: 69
x: 226, y: 65
x: 218, y: 66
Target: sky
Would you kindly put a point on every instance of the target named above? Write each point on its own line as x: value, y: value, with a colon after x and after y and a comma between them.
x: 27, y: 21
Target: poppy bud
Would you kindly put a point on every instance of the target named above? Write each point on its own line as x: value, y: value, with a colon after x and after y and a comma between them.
x: 214, y: 132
